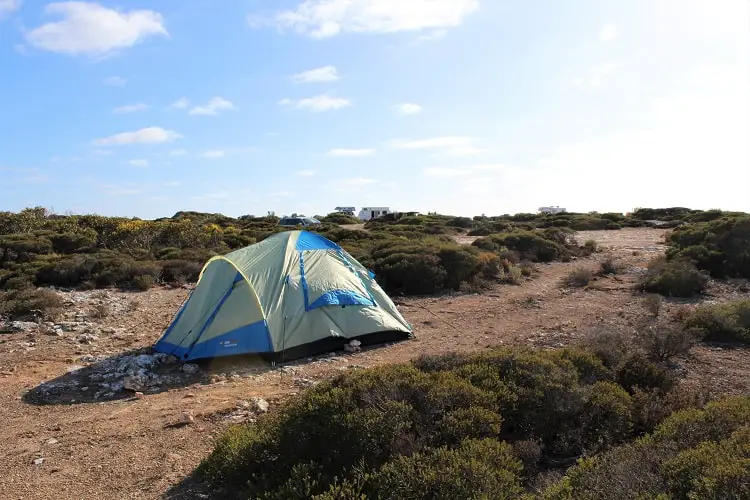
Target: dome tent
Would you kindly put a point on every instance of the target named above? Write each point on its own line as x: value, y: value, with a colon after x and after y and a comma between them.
x: 293, y: 294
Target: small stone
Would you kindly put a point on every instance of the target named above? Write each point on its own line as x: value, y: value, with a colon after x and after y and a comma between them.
x: 52, y: 441
x: 190, y: 368
x: 139, y: 395
x: 39, y: 461
x: 186, y: 418
x: 189, y: 395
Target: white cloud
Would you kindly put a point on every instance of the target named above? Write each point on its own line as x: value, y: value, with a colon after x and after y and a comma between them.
x: 448, y: 142
x: 350, y: 152
x: 139, y: 163
x: 444, y: 172
x: 306, y: 173
x: 212, y: 107
x: 214, y: 154
x: 408, y: 108
x: 322, y: 74
x: 464, y: 170
x: 172, y: 184
x: 148, y: 135
x: 444, y: 146
x: 596, y: 76
x: 130, y: 108
x: 115, y: 81
x: 91, y: 29
x: 317, y: 103
x: 435, y: 35
x: 177, y: 152
x: 327, y: 18
x: 608, y: 32
x: 181, y: 103
x: 8, y: 7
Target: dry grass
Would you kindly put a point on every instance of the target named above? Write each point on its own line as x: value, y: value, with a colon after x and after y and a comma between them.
x: 578, y: 278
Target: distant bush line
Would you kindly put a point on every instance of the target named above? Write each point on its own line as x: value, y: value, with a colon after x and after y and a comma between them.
x: 410, y: 255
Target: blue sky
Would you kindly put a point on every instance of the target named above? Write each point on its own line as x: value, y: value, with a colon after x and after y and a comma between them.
x: 143, y: 108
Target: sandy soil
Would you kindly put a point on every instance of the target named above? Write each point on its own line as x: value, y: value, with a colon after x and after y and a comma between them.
x: 138, y: 448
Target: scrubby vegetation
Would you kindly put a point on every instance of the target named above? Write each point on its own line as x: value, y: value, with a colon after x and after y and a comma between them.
x: 728, y: 322
x: 482, y: 426
x: 673, y: 278
x: 409, y: 253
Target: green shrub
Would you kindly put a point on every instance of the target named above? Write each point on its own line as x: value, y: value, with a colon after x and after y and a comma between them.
x: 729, y: 322
x: 461, y: 222
x: 180, y: 271
x: 712, y: 469
x: 30, y: 304
x: 692, y: 454
x: 529, y: 245
x: 477, y: 469
x: 68, y: 243
x: 677, y: 278
x: 636, y: 371
x: 578, y: 278
x: 721, y: 247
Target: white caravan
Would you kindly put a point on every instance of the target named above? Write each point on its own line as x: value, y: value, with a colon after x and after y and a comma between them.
x: 368, y: 213
x: 552, y: 210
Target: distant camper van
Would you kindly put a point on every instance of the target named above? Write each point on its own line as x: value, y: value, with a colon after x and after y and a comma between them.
x: 368, y: 213
x: 298, y: 221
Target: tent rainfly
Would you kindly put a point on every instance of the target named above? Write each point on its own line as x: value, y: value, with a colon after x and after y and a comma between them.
x: 293, y: 294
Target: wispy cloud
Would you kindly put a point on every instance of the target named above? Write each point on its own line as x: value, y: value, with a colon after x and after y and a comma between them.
x: 140, y: 162
x: 317, y: 103
x: 177, y: 152
x: 130, y: 108
x: 8, y: 7
x: 327, y: 18
x: 447, y: 145
x: 214, y: 154
x: 87, y: 28
x: 322, y: 74
x: 407, y: 108
x: 350, y: 152
x: 466, y: 170
x: 608, y: 32
x: 181, y: 103
x: 213, y: 107
x: 596, y: 76
x: 148, y: 135
x: 115, y: 81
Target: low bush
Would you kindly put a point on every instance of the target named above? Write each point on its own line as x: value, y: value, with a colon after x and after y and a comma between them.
x: 578, y: 278
x: 721, y: 246
x: 527, y: 245
x: 692, y: 454
x: 676, y: 278
x: 610, y: 266
x: 434, y: 429
x: 665, y: 341
x: 729, y: 322
x: 30, y: 304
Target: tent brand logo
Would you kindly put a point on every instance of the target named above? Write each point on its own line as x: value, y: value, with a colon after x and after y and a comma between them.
x: 228, y: 343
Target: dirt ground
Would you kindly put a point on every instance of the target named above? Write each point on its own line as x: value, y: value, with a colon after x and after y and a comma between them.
x: 138, y: 447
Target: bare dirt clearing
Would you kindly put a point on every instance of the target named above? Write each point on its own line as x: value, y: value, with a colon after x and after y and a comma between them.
x: 139, y: 447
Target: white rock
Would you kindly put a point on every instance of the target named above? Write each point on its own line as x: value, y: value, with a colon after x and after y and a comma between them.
x: 39, y: 461
x: 259, y: 405
x: 52, y: 441
x: 186, y: 418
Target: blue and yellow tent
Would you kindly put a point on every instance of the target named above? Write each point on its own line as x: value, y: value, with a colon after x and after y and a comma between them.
x: 293, y: 294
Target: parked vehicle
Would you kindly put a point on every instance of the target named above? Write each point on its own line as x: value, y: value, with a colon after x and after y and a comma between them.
x: 368, y: 213
x: 298, y: 221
